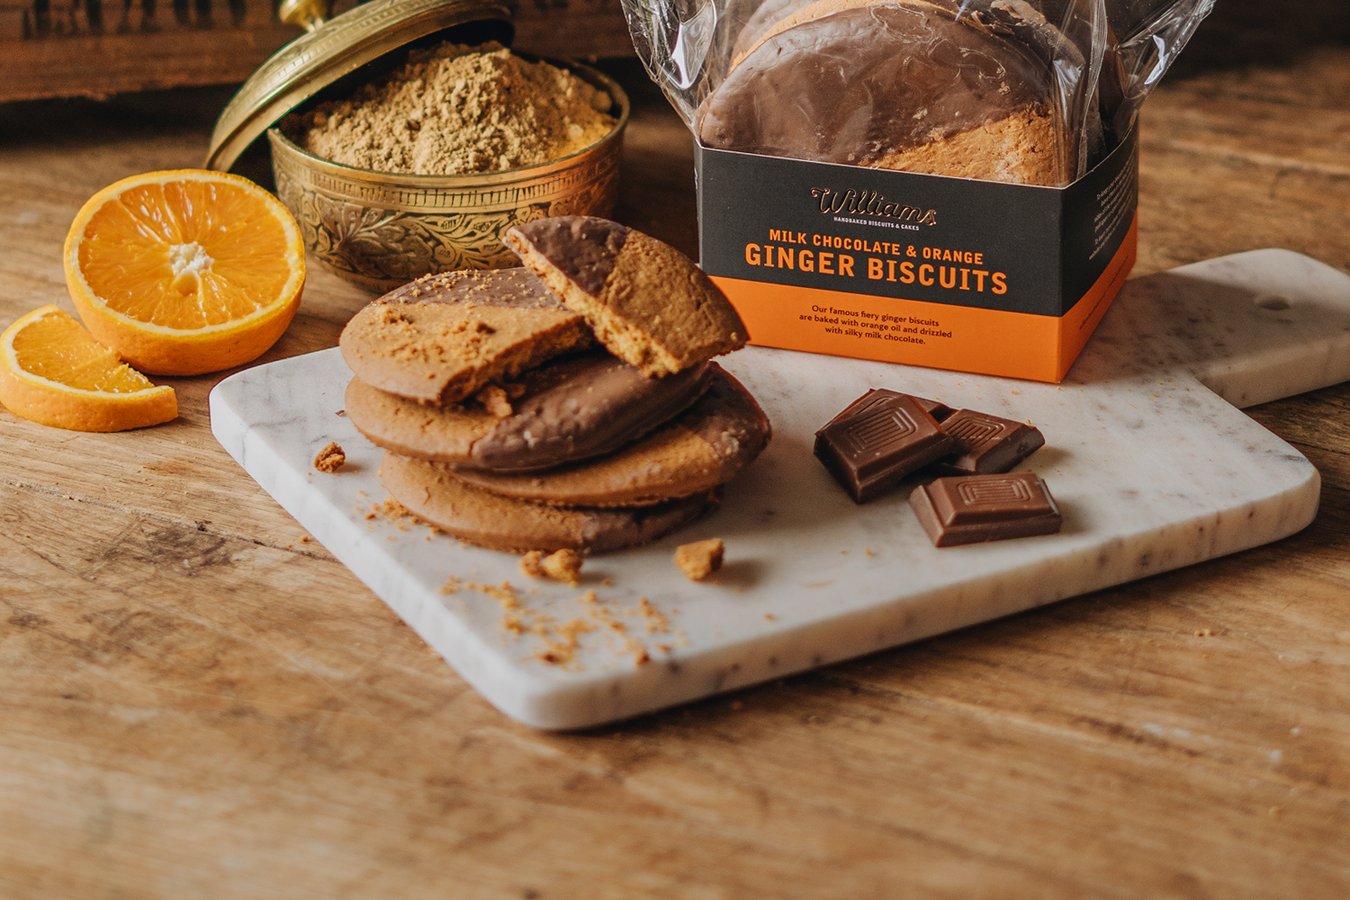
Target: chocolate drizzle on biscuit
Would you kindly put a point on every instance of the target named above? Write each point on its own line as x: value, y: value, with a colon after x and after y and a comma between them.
x: 584, y: 249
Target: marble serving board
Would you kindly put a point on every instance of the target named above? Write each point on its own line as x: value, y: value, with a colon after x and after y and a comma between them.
x: 1147, y: 453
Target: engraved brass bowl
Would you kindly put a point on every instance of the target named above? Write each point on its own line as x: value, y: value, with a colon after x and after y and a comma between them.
x: 380, y: 230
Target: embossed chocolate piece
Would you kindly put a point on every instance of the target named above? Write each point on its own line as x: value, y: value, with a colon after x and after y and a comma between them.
x: 970, y: 509
x: 987, y: 444
x: 877, y: 440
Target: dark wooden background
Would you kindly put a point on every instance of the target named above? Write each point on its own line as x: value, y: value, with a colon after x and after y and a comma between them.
x: 96, y: 48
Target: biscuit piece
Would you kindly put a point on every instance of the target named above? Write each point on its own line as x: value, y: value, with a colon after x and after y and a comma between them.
x: 922, y: 91
x: 647, y: 302
x: 700, y: 559
x: 561, y: 565
x: 442, y: 338
x: 706, y: 446
x: 330, y: 458
x: 490, y: 520
x: 570, y: 409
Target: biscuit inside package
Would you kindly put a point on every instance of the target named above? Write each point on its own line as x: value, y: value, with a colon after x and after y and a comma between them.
x: 1018, y: 91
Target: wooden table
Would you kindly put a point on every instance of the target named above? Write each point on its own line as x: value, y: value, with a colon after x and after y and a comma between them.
x: 198, y: 701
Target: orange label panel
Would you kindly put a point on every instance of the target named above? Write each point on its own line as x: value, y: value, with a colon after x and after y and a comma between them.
x: 937, y: 335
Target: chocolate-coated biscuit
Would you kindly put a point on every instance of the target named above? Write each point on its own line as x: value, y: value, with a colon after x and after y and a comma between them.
x: 490, y: 520
x: 921, y: 91
x: 707, y: 445
x: 441, y: 338
x: 570, y: 409
x: 646, y: 302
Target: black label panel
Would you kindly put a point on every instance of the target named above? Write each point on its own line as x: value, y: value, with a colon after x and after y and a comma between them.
x: 943, y: 240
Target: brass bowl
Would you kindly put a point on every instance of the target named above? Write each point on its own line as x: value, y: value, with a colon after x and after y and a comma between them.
x: 381, y: 230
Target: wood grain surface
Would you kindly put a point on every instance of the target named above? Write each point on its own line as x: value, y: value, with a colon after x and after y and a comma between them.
x: 198, y: 701
x: 88, y: 48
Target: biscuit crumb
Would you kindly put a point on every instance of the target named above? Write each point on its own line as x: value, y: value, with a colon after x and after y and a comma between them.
x: 330, y: 458
x: 496, y: 401
x: 654, y: 621
x: 563, y: 565
x: 699, y: 559
x: 532, y: 564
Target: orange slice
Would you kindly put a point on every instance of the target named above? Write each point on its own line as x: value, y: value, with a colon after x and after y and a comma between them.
x: 53, y: 372
x: 185, y: 272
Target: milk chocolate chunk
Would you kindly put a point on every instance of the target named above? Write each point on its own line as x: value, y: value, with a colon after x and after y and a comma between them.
x: 877, y: 440
x: 569, y: 409
x: 899, y: 84
x: 444, y: 337
x: 646, y: 302
x: 987, y: 444
x: 970, y: 509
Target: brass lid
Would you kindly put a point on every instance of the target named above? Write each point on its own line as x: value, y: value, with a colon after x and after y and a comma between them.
x: 330, y: 50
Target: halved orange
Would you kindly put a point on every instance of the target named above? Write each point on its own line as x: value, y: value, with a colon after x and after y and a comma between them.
x: 185, y: 271
x: 53, y: 372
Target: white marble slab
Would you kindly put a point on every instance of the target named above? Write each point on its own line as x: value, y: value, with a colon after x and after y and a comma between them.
x: 1152, y: 464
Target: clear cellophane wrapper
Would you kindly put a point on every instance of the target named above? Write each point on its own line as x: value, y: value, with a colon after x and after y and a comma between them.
x: 858, y: 82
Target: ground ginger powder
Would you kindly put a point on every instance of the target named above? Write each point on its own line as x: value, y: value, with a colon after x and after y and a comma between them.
x: 455, y: 110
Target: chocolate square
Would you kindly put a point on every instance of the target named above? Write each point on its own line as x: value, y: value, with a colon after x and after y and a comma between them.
x: 877, y: 440
x: 987, y: 444
x: 969, y: 509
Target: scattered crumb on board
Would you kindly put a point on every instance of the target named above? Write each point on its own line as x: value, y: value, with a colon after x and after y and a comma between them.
x: 559, y: 641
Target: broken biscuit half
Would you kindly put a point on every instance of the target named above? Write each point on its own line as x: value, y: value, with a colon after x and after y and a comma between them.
x: 646, y: 302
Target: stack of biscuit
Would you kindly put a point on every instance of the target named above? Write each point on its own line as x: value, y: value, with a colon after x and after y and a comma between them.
x: 571, y: 403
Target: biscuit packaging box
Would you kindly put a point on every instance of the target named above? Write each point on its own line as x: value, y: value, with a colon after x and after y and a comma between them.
x: 945, y: 183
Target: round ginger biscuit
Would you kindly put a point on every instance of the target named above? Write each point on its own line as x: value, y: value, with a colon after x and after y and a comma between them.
x: 570, y: 409
x: 490, y: 520
x: 706, y: 446
x: 444, y: 337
